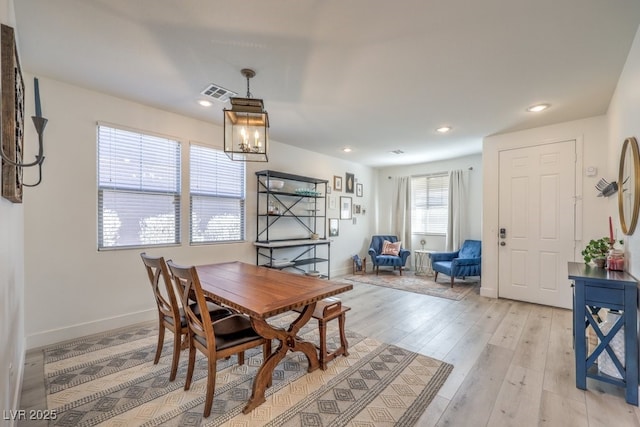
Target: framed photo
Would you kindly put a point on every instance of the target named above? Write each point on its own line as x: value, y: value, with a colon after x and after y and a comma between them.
x: 350, y: 182
x: 337, y: 183
x: 328, y: 189
x: 332, y: 202
x: 356, y: 209
x: 359, y: 190
x: 12, y: 115
x: 334, y: 227
x: 345, y: 207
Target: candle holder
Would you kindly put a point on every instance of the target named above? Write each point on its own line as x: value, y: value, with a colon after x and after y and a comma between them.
x: 40, y: 123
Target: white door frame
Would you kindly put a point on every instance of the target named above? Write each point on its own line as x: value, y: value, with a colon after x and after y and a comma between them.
x: 490, y: 227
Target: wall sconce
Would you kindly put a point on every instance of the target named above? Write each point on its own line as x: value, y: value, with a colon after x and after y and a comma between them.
x: 246, y: 127
x: 39, y: 122
x: 606, y: 189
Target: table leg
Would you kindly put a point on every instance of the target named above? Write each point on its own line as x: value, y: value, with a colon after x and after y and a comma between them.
x: 289, y: 341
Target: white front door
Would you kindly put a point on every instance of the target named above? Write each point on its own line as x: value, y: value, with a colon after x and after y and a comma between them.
x: 537, y: 215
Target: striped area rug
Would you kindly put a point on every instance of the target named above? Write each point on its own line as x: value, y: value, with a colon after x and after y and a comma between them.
x: 110, y: 380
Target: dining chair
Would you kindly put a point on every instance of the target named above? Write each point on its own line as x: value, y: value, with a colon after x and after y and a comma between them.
x: 216, y: 339
x: 170, y: 313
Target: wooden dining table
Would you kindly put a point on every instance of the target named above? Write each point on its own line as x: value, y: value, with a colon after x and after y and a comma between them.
x: 261, y: 293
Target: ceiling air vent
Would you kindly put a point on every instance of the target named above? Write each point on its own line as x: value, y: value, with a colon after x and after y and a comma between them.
x: 218, y: 93
x: 397, y: 152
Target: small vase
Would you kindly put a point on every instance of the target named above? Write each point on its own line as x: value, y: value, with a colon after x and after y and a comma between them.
x: 600, y: 262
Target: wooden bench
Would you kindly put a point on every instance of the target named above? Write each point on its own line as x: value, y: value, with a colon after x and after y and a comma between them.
x: 327, y: 310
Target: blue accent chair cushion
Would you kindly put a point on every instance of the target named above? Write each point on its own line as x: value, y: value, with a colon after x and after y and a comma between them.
x: 461, y: 263
x: 375, y: 251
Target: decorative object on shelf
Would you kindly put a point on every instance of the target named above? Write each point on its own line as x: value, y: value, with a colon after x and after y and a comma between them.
x: 12, y: 110
x: 597, y: 251
x: 246, y: 127
x: 629, y: 192
x: 615, y: 260
x: 334, y: 227
x: 275, y: 184
x: 337, y: 183
x: 307, y: 192
x: 605, y: 363
x: 345, y: 207
x: 605, y: 188
x: 349, y: 182
x: 359, y: 190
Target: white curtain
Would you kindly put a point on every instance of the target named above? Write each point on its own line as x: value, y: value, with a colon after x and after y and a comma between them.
x: 402, y: 211
x: 457, y: 210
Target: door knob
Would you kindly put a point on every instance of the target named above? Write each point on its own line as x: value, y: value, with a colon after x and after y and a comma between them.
x: 502, y: 243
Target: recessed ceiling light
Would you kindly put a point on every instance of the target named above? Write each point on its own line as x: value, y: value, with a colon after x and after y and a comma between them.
x: 346, y: 149
x: 204, y: 103
x: 538, y: 107
x: 443, y: 129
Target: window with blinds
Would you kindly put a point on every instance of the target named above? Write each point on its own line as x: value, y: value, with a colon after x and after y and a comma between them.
x: 429, y: 204
x: 138, y: 189
x: 217, y: 190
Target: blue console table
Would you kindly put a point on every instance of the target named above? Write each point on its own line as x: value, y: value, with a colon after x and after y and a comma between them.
x: 599, y: 288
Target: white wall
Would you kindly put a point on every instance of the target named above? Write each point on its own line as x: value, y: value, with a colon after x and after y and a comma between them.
x: 12, y: 341
x: 592, y: 212
x: 623, y: 114
x: 386, y: 178
x: 71, y: 288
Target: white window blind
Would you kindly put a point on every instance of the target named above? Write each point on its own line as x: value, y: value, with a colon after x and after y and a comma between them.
x: 429, y: 204
x: 217, y: 190
x: 138, y: 189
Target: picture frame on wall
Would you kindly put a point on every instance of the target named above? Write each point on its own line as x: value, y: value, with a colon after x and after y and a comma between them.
x: 332, y: 202
x: 337, y: 183
x: 345, y: 207
x: 349, y: 182
x: 334, y: 227
x: 12, y: 115
x: 359, y: 190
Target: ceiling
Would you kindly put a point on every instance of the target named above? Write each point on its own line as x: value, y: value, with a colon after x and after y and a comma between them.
x: 373, y: 75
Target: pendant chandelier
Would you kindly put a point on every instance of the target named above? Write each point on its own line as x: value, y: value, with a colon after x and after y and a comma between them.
x: 246, y: 127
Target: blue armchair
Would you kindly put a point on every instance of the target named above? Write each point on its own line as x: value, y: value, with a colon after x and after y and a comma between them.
x: 461, y: 263
x: 378, y: 259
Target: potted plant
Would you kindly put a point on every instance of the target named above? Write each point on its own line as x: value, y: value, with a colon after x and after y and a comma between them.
x: 597, y: 251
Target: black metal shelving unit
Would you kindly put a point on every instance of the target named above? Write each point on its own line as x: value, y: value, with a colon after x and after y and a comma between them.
x: 289, y: 219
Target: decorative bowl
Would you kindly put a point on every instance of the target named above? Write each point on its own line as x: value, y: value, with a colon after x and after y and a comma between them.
x: 313, y: 273
x: 275, y: 184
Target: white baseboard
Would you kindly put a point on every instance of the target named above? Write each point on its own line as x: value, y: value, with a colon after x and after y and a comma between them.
x: 53, y: 336
x: 488, y: 292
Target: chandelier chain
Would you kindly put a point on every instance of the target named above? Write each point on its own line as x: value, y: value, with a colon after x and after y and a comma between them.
x: 248, y: 92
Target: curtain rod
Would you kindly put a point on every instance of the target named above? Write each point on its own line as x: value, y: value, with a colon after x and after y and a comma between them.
x: 430, y: 174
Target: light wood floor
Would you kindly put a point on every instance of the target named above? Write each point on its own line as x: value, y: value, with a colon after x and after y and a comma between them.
x: 513, y: 361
